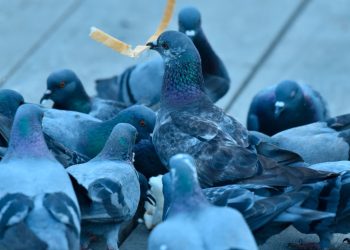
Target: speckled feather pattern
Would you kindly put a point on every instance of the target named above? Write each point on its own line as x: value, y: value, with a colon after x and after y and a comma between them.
x: 188, y: 122
x: 119, y: 172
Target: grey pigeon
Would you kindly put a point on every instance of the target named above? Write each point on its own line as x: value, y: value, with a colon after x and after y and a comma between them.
x: 142, y: 83
x: 267, y: 210
x: 10, y: 100
x: 198, y: 224
x: 63, y: 154
x: 316, y: 142
x: 137, y: 84
x: 216, y: 78
x: 108, y: 188
x: 285, y: 105
x: 37, y: 201
x: 67, y: 92
x: 189, y: 122
x: 86, y: 135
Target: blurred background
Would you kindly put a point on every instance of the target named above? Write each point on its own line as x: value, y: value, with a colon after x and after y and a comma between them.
x: 260, y: 42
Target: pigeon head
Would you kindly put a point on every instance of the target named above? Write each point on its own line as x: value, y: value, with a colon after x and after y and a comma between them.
x: 65, y: 89
x: 186, y: 194
x: 183, y: 78
x: 183, y: 173
x: 174, y: 45
x: 10, y: 100
x: 189, y: 21
x: 289, y: 96
x: 120, y: 143
x: 27, y: 138
x: 141, y: 117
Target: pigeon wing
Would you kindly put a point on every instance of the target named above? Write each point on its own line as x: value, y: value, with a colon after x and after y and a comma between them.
x: 63, y: 209
x: 14, y: 208
x: 108, y: 200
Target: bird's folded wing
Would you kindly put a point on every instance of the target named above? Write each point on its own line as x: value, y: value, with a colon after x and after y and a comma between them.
x: 195, y: 126
x: 265, y: 210
x: 13, y: 209
x: 230, y: 196
x: 63, y: 209
x: 64, y: 155
x: 108, y: 200
x: 281, y: 156
x: 275, y: 174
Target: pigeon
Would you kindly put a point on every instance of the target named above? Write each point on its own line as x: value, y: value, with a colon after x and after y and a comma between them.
x: 67, y: 92
x: 37, y: 201
x: 267, y: 210
x: 108, y: 188
x: 216, y: 78
x: 198, y: 224
x: 10, y: 100
x: 316, y: 142
x: 142, y: 83
x: 138, y: 84
x: 87, y: 136
x: 285, y: 105
x: 188, y: 121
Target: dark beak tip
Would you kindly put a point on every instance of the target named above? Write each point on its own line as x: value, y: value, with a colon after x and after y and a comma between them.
x: 152, y: 44
x: 43, y: 98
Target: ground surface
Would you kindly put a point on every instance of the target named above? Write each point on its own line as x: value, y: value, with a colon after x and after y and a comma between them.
x: 261, y: 43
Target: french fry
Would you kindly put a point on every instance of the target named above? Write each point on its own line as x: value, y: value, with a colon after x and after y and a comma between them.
x: 126, y: 49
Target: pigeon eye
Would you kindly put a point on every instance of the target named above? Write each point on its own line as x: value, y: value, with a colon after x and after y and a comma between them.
x: 142, y: 123
x: 292, y: 94
x: 165, y: 45
x: 62, y: 84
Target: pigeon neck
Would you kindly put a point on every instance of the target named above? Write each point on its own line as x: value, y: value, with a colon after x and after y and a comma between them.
x: 211, y: 63
x: 183, y: 83
x: 27, y: 140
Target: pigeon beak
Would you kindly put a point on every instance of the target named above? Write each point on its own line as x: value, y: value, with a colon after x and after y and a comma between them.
x: 153, y: 44
x: 190, y: 33
x: 46, y: 95
x: 279, y: 107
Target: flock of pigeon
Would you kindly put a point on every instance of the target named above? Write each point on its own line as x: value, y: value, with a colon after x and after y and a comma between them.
x: 80, y: 174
